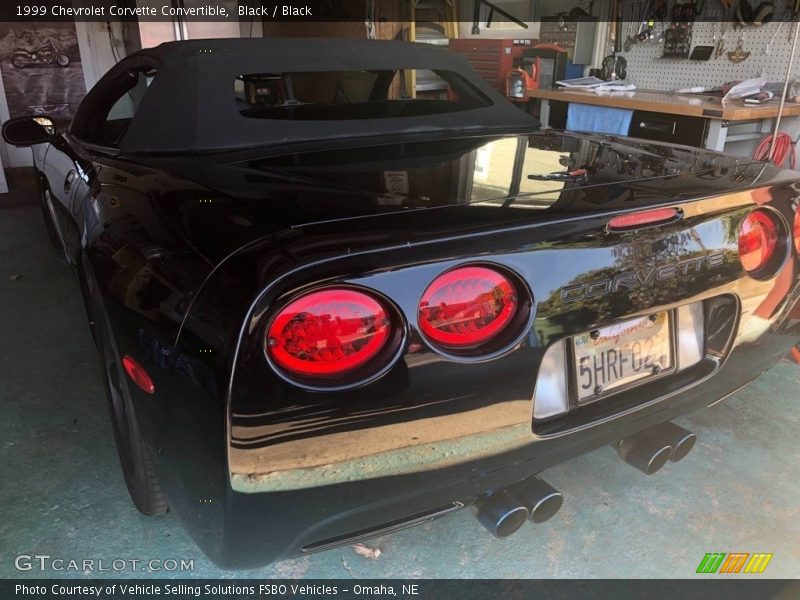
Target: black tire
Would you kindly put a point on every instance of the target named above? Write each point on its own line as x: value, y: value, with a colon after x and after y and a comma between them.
x: 134, y: 457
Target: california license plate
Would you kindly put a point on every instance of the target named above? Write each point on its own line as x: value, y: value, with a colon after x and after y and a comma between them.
x: 620, y: 355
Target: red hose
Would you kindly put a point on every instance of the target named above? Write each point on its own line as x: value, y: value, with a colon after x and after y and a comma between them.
x: 783, y: 148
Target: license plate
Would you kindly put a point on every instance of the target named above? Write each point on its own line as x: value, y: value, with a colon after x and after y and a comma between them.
x: 620, y: 355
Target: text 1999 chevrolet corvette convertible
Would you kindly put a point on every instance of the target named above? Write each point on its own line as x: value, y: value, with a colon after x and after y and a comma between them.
x: 326, y: 310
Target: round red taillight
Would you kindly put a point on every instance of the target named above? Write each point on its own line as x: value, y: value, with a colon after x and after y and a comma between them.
x: 467, y: 307
x: 796, y: 229
x: 328, y: 333
x: 758, y: 239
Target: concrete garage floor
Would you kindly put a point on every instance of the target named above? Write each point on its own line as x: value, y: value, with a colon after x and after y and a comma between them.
x: 62, y: 494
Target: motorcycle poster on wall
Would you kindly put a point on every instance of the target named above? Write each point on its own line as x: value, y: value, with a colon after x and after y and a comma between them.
x: 41, y: 69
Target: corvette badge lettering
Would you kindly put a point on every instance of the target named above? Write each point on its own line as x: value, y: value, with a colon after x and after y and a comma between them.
x: 641, y: 277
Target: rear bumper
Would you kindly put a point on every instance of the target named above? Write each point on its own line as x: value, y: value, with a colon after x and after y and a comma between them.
x: 263, y: 527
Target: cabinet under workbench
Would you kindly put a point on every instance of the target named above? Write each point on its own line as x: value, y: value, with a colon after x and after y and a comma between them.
x: 691, y: 119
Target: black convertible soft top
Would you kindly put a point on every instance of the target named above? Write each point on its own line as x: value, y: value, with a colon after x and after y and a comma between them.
x: 190, y: 106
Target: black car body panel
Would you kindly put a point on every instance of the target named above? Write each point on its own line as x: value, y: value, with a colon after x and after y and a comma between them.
x: 191, y: 256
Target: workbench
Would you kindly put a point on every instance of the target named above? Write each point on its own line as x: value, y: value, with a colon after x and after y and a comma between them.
x: 719, y: 118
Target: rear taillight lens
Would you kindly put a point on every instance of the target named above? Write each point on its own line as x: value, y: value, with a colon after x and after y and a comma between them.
x: 758, y: 240
x: 328, y: 333
x: 796, y: 230
x: 138, y: 375
x: 467, y: 307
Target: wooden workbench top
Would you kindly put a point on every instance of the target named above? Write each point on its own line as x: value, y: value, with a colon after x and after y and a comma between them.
x: 671, y: 103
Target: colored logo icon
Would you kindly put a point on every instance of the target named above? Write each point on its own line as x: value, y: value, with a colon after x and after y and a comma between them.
x: 734, y: 562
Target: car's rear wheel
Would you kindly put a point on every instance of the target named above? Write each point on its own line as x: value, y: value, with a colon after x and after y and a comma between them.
x: 136, y: 462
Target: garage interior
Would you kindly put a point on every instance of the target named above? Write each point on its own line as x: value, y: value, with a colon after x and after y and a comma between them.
x: 64, y: 493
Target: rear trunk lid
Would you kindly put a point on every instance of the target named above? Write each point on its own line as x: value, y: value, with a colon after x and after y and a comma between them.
x: 515, y: 178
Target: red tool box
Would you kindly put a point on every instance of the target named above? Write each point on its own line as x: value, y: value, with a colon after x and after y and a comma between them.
x: 492, y: 59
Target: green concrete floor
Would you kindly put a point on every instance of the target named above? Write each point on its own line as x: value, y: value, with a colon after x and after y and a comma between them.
x: 62, y: 493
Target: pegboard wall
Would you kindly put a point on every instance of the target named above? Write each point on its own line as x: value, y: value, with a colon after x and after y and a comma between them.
x: 648, y: 70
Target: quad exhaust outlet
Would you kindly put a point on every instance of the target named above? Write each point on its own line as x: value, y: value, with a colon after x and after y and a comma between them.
x: 501, y: 514
x: 504, y: 511
x: 649, y: 450
x: 540, y: 498
x: 681, y: 440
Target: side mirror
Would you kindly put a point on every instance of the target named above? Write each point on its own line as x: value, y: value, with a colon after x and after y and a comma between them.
x: 29, y: 131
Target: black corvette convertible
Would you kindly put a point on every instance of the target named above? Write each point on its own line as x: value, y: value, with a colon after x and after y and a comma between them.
x: 326, y: 309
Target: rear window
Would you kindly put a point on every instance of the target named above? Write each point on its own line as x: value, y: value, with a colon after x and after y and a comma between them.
x: 346, y: 95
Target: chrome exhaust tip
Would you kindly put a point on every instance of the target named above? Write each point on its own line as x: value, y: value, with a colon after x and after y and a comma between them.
x: 501, y: 513
x: 682, y: 440
x: 644, y: 451
x: 541, y: 499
